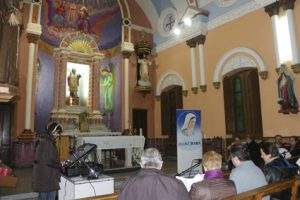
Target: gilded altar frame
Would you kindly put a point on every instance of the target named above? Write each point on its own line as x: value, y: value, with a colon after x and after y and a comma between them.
x: 82, y: 49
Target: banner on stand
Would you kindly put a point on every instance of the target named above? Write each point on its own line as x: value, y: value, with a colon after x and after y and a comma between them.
x: 189, y: 137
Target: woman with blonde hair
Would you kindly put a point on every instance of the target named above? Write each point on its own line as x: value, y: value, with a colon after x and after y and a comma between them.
x: 214, y: 186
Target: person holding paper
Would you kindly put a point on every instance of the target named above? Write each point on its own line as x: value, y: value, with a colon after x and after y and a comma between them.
x: 214, y: 186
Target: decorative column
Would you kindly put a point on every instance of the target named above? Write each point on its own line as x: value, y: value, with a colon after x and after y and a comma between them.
x: 192, y: 44
x: 203, y: 86
x: 34, y: 30
x: 96, y: 85
x: 127, y: 48
x: 288, y: 6
x: 273, y: 10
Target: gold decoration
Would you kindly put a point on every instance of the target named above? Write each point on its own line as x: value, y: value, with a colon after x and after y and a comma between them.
x: 80, y: 45
x: 79, y: 42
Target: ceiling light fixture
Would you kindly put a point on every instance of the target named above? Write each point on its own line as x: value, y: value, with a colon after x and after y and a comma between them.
x: 177, y: 31
x: 187, y: 21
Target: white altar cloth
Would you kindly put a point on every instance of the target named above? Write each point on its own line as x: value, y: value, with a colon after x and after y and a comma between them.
x: 116, y: 142
x: 80, y: 187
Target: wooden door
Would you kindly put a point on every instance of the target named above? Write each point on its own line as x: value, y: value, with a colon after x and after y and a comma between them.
x: 6, y: 113
x: 171, y: 100
x: 242, y: 104
x: 139, y: 119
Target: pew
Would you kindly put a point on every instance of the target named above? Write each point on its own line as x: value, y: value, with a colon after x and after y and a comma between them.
x: 259, y: 193
x: 113, y: 196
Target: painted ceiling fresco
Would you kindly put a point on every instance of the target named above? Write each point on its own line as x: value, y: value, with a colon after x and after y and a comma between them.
x: 100, y: 18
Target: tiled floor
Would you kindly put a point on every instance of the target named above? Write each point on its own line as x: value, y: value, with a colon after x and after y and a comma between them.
x: 25, y: 181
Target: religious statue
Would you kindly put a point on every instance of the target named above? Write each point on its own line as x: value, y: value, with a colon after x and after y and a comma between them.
x: 287, y: 99
x: 83, y: 22
x: 73, y: 83
x: 144, y: 73
x: 107, y: 84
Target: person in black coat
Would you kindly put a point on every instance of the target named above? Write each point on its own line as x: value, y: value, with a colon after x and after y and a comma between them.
x: 295, y: 146
x: 276, y: 168
x: 47, y: 168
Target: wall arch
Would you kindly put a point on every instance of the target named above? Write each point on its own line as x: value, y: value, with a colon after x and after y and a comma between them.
x: 239, y: 58
x: 168, y: 79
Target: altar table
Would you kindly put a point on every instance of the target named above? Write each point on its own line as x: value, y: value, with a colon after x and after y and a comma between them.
x: 80, y: 187
x: 116, y: 142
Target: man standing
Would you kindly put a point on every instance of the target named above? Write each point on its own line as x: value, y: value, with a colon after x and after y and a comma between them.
x: 150, y: 183
x: 46, y: 168
x: 246, y: 175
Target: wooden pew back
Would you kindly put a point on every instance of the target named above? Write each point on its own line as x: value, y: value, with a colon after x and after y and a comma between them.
x: 259, y: 193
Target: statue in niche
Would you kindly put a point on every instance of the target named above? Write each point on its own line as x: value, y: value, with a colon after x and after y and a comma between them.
x: 144, y: 81
x: 73, y: 83
x: 107, y: 87
x: 287, y: 99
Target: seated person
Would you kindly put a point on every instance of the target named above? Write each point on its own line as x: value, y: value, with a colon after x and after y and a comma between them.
x: 295, y: 146
x: 254, y: 151
x: 278, y: 141
x: 282, y: 147
x: 214, y: 186
x: 276, y: 168
x: 150, y: 184
x: 246, y: 175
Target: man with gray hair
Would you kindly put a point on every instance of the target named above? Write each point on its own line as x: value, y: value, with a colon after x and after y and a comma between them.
x: 150, y: 184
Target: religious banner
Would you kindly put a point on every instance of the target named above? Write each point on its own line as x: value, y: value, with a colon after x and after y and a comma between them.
x: 189, y: 138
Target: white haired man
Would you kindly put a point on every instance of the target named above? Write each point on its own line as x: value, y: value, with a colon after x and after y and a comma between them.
x: 150, y: 184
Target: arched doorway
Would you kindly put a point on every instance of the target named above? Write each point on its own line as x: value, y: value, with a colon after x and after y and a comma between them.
x: 171, y: 99
x: 242, y: 103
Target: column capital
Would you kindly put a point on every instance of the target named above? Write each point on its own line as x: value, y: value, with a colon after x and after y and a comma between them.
x: 126, y: 54
x: 287, y: 4
x: 200, y: 39
x: 191, y: 43
x: 272, y: 9
x: 127, y: 48
x: 32, y: 38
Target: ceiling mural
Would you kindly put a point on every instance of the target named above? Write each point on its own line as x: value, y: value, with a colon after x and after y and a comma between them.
x: 99, y: 18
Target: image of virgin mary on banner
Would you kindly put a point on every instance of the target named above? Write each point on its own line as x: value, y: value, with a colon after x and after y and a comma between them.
x: 189, y: 138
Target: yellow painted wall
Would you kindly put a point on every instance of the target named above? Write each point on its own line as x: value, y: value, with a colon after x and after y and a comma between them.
x: 253, y: 31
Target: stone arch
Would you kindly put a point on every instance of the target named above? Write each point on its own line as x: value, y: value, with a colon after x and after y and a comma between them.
x: 168, y: 79
x: 239, y: 58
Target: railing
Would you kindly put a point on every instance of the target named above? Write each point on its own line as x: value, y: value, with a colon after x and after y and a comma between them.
x: 259, y: 193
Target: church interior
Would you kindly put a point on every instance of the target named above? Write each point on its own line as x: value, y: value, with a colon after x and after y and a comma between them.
x: 114, y: 75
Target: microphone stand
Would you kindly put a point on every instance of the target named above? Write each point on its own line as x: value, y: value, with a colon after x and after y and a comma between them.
x: 191, y: 168
x: 92, y: 173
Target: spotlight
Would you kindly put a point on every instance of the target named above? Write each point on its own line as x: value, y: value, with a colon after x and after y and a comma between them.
x: 187, y: 21
x: 177, y: 31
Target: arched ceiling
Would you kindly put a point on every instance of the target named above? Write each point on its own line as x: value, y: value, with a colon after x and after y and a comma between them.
x: 165, y: 15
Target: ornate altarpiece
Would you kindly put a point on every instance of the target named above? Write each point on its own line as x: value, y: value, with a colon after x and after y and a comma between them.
x: 77, y: 48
